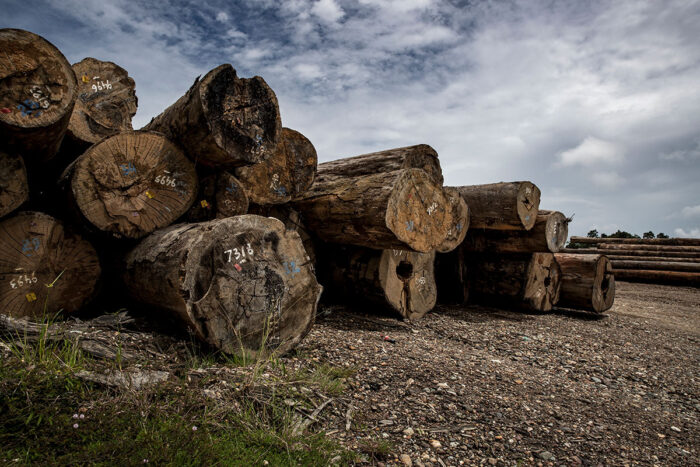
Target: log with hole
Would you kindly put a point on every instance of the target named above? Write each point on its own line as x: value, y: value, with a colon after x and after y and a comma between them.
x: 587, y: 282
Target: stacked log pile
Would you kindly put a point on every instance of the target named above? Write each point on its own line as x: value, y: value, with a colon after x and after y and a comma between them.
x: 654, y: 260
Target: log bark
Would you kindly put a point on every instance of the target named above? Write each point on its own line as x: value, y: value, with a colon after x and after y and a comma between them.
x: 639, y: 241
x: 664, y: 259
x: 502, y: 206
x: 293, y: 221
x: 451, y: 277
x: 587, y: 282
x: 37, y: 94
x: 131, y: 184
x: 14, y: 190
x: 105, y: 105
x: 403, y: 209
x: 223, y: 121
x: 288, y: 172
x: 657, y: 248
x: 547, y: 235
x: 527, y: 281
x: 420, y: 156
x: 656, y: 265
x: 241, y: 284
x: 641, y: 253
x: 460, y: 222
x: 400, y: 280
x: 220, y: 195
x: 44, y: 268
x: 659, y: 277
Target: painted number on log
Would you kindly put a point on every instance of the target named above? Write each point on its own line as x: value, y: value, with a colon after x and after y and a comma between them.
x: 22, y: 279
x: 101, y: 85
x: 30, y: 245
x: 432, y: 209
x: 166, y: 180
x: 239, y: 254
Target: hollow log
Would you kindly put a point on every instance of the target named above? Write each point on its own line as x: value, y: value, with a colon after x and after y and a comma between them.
x: 14, y: 190
x: 292, y: 220
x: 502, y: 206
x: 131, y: 184
x: 641, y: 253
x: 105, y: 105
x: 639, y: 241
x: 527, y: 281
x: 289, y: 171
x: 659, y: 277
x: 460, y: 222
x: 451, y: 277
x: 403, y: 209
x: 657, y: 248
x: 241, y: 284
x: 220, y: 195
x: 223, y: 121
x: 44, y: 268
x: 400, y: 280
x: 547, y: 235
x: 420, y: 156
x: 587, y: 282
x: 656, y: 265
x: 37, y: 94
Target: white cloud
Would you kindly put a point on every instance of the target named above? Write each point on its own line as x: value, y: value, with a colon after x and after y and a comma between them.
x: 592, y: 152
x: 222, y: 17
x: 691, y: 211
x: 327, y: 10
x: 691, y: 233
x: 607, y: 179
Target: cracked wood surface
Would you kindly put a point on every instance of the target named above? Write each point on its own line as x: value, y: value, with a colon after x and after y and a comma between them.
x: 14, y: 190
x: 587, y: 282
x: 502, y: 206
x: 460, y: 221
x: 220, y: 195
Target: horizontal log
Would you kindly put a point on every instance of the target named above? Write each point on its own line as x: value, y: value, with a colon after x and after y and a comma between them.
x: 659, y: 277
x: 659, y: 248
x: 460, y: 222
x: 220, y: 195
x: 547, y: 235
x: 663, y: 259
x: 611, y: 253
x: 655, y: 265
x: 502, y: 206
x: 639, y: 241
x: 14, y: 189
x: 587, y: 282
x: 292, y: 220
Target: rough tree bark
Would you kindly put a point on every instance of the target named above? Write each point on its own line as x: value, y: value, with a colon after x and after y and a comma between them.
x: 502, y: 206
x: 655, y: 265
x: 220, y: 195
x: 656, y: 248
x: 241, y: 284
x: 663, y: 259
x: 14, y: 189
x: 403, y: 209
x: 460, y: 222
x: 289, y: 171
x: 43, y: 267
x: 131, y: 184
x: 587, y: 282
x: 528, y: 281
x: 639, y: 241
x: 223, y: 121
x: 640, y: 253
x: 547, y: 235
x: 37, y: 94
x: 659, y: 277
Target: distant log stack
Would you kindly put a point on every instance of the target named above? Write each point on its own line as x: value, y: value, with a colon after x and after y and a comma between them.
x: 659, y: 277
x: 131, y: 184
x: 529, y: 281
x: 14, y: 189
x: 399, y: 280
x: 105, y: 105
x: 403, y: 209
x: 587, y: 282
x: 241, y: 284
x: 460, y: 222
x: 642, y: 254
x: 44, y: 268
x: 502, y: 206
x: 285, y: 174
x: 220, y: 195
x: 638, y: 241
x: 37, y: 94
x: 223, y: 121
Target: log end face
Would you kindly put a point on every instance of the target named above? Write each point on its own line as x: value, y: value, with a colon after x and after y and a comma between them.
x: 603, y: 286
x: 556, y: 231
x: 528, y: 203
x: 543, y: 282
x: 460, y: 222
x: 408, y: 281
x: 14, y: 190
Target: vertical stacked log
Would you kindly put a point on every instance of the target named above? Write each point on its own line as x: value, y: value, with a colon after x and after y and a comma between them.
x: 220, y: 195
x: 587, y: 282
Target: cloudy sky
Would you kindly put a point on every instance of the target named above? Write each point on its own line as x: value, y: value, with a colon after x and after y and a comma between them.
x: 598, y: 103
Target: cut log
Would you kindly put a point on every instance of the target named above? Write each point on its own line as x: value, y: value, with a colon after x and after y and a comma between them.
x: 420, y: 156
x: 587, y: 282
x: 224, y: 121
x: 460, y: 222
x: 289, y: 171
x: 451, y: 277
x: 639, y: 241
x: 131, y: 184
x: 105, y: 105
x: 502, y: 206
x: 656, y: 265
x: 528, y: 281
x: 14, y: 189
x: 37, y: 94
x: 548, y: 235
x: 220, y: 195
x: 659, y: 277
x: 612, y: 253
x: 292, y: 220
x: 400, y: 280
x: 43, y: 267
x: 657, y: 248
x: 241, y: 284
x: 403, y: 209
x: 664, y: 259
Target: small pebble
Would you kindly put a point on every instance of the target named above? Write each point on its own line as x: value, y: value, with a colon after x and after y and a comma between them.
x: 408, y: 431
x: 406, y: 460
x: 546, y: 455
x: 675, y: 428
x: 596, y: 380
x: 435, y: 443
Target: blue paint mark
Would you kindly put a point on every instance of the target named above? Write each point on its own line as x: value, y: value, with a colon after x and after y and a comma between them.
x: 29, y: 108
x: 258, y: 140
x: 232, y: 188
x: 459, y: 227
x: 291, y: 268
x: 30, y: 245
x: 409, y: 226
x: 282, y: 191
x: 127, y: 169
x: 527, y: 218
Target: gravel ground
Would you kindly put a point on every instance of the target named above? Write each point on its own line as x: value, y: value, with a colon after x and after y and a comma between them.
x: 473, y: 385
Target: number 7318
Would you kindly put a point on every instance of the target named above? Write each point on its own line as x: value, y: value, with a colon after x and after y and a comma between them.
x: 239, y: 254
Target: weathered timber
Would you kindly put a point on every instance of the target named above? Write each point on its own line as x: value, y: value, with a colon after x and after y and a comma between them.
x: 14, y: 189
x: 547, y: 235
x: 403, y: 209
x: 587, y: 282
x: 657, y: 248
x: 502, y: 206
x: 289, y: 171
x: 105, y: 105
x: 37, y: 94
x: 131, y: 184
x: 641, y: 253
x: 662, y: 259
x: 420, y: 156
x: 528, y: 281
x: 451, y: 276
x: 220, y: 195
x: 655, y: 265
x: 400, y: 280
x: 659, y: 277
x: 223, y: 121
x: 292, y: 220
x: 241, y: 284
x: 44, y: 268
x: 460, y: 222
x: 639, y: 241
